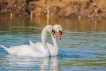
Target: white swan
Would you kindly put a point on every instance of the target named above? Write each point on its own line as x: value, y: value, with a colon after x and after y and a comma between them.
x: 25, y: 50
x: 53, y: 49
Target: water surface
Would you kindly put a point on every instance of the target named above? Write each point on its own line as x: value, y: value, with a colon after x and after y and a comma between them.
x: 82, y: 48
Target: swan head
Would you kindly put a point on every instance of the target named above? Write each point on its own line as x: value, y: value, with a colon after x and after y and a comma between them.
x: 50, y: 30
x: 58, y: 29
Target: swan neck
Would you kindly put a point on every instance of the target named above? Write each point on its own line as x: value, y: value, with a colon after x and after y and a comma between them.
x: 55, y: 50
x: 43, y: 38
x: 54, y: 40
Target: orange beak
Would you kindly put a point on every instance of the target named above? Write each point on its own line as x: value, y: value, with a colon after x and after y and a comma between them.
x: 53, y: 34
x: 60, y: 35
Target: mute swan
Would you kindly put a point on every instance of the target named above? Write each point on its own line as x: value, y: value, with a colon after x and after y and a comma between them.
x: 53, y: 49
x: 25, y: 50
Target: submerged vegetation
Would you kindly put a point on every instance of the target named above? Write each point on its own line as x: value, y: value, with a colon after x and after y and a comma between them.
x: 93, y: 9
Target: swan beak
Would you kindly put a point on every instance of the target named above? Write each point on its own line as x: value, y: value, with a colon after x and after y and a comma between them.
x: 53, y: 33
x: 60, y: 35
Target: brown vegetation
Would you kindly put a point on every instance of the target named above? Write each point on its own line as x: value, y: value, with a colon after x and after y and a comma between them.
x: 60, y: 8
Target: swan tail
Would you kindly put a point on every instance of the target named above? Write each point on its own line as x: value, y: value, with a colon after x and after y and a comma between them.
x: 7, y: 49
x: 31, y: 43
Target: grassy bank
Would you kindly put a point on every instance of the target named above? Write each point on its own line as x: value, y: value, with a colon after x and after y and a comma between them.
x: 93, y: 9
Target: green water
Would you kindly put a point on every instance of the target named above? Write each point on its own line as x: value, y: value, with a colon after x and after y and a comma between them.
x: 82, y: 48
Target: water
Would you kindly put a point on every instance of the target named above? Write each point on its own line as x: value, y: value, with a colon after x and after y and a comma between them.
x: 82, y: 48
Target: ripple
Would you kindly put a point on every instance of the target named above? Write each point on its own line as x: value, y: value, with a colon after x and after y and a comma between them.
x: 76, y: 50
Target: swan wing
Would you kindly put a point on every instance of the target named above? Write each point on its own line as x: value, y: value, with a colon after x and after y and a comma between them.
x: 50, y: 47
x: 36, y: 46
x: 31, y: 43
x: 25, y: 50
x: 22, y: 50
x: 40, y: 46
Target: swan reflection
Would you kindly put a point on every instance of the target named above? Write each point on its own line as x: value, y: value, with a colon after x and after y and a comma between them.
x: 28, y: 63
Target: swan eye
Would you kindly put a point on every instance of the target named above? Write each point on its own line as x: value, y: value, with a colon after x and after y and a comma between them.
x: 53, y: 31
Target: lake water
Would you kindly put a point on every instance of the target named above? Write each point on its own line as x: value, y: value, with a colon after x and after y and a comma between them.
x: 82, y: 48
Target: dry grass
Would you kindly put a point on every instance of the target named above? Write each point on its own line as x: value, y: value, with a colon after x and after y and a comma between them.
x: 62, y: 8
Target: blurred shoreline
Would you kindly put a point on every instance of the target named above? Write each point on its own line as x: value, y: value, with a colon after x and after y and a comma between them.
x: 77, y: 9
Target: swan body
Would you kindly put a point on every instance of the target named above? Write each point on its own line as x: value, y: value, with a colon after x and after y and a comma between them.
x: 23, y: 50
x: 26, y: 50
x: 53, y: 49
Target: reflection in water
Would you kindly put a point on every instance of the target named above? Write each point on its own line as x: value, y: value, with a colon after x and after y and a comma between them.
x: 26, y: 63
x: 74, y: 25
